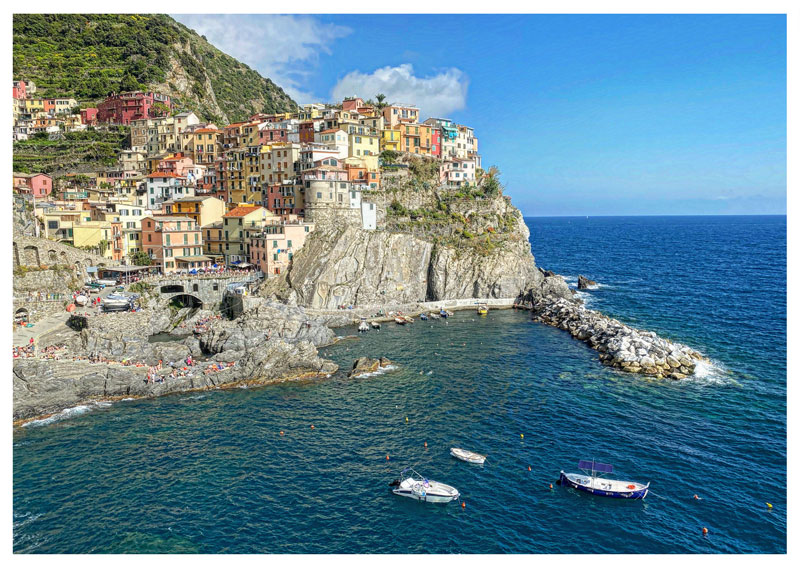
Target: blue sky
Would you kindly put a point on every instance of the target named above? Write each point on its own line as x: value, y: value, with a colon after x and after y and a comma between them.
x: 584, y: 115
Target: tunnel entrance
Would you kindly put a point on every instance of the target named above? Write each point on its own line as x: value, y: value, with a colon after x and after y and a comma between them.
x: 186, y: 300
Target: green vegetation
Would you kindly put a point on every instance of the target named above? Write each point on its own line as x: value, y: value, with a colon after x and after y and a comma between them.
x: 88, y: 150
x: 89, y: 56
x: 140, y: 258
x: 141, y: 287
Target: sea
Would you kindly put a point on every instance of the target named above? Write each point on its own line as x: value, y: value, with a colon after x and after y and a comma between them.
x: 305, y: 467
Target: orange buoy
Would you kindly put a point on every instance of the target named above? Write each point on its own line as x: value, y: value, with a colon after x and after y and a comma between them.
x: 696, y: 497
x: 463, y: 504
x: 426, y: 443
x: 705, y: 531
x: 529, y: 468
x: 551, y: 486
x: 281, y: 433
x: 312, y: 427
x: 387, y: 457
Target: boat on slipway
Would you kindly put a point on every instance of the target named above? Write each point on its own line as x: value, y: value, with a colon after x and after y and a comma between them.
x: 411, y: 484
x: 468, y: 456
x: 399, y: 320
x: 593, y: 483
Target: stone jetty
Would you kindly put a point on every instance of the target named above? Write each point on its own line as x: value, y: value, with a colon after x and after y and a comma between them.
x: 620, y: 346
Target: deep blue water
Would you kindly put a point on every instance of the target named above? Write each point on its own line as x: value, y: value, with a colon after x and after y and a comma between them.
x: 210, y: 472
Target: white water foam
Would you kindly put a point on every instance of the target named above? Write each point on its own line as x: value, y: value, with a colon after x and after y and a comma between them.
x: 711, y: 372
x: 68, y: 413
x: 587, y: 298
x: 378, y: 372
x: 63, y: 414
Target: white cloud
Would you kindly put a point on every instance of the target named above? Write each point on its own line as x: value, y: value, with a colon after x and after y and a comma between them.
x: 284, y: 48
x: 437, y: 95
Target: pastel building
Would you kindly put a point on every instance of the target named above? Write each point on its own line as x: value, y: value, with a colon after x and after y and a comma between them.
x: 174, y: 243
x: 161, y: 187
x: 37, y: 184
x: 273, y: 248
x: 237, y: 226
x: 124, y: 107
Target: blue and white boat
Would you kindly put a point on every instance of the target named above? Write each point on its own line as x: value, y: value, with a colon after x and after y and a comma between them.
x: 593, y: 483
x: 423, y: 317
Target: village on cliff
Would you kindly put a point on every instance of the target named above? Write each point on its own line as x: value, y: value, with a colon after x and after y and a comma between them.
x: 192, y: 196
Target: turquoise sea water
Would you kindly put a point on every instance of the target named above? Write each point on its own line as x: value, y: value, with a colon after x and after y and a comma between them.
x: 209, y: 472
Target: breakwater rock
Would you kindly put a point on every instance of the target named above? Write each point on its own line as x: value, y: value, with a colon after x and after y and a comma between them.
x: 585, y: 283
x: 366, y: 365
x: 620, y: 346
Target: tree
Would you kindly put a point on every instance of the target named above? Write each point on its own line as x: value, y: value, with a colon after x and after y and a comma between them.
x: 140, y: 258
x: 380, y: 105
x: 491, y: 182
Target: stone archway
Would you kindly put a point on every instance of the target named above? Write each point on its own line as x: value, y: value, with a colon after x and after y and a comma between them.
x: 187, y: 300
x: 63, y: 258
x: 52, y: 257
x: 31, y: 255
x: 172, y: 288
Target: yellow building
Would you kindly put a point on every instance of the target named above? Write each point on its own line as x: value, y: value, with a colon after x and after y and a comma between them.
x: 202, y: 210
x: 238, y: 225
x: 390, y: 140
x: 213, y: 241
x: 361, y: 145
x: 94, y: 234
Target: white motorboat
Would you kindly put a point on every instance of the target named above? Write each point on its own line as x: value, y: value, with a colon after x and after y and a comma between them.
x: 81, y: 300
x: 363, y: 327
x: 467, y: 456
x: 411, y: 484
x: 376, y: 325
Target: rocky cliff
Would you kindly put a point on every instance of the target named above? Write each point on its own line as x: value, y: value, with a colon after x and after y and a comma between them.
x: 432, y: 243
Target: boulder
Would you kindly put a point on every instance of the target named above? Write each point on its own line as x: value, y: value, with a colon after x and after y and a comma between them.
x: 366, y: 365
x: 585, y: 283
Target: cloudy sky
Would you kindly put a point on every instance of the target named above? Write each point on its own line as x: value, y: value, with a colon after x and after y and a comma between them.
x: 584, y: 115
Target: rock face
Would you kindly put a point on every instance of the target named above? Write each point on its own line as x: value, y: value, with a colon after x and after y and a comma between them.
x: 620, y: 346
x: 269, y: 342
x: 366, y: 365
x: 585, y: 283
x: 43, y: 387
x: 351, y: 266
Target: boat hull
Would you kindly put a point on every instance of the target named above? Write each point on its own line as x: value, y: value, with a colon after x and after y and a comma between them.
x: 636, y: 494
x: 426, y: 497
x: 468, y: 456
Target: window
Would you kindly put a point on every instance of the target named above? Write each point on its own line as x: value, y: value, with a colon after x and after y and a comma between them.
x: 168, y: 239
x: 149, y: 237
x: 274, y: 243
x: 275, y: 257
x: 52, y: 224
x: 306, y: 228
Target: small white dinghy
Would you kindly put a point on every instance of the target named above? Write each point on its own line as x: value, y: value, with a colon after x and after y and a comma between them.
x: 411, y: 484
x: 467, y: 456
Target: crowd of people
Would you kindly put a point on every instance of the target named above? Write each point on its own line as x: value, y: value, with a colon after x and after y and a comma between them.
x: 201, y: 325
x: 27, y: 351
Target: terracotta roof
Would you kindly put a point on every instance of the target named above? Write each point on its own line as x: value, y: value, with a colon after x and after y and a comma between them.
x: 206, y: 130
x: 331, y: 130
x: 242, y: 210
x: 163, y: 174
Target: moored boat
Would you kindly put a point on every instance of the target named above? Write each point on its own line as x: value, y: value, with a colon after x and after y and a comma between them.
x: 411, y: 484
x: 468, y: 456
x: 408, y: 319
x: 375, y: 325
x: 483, y: 308
x: 600, y: 486
x: 423, y: 317
x: 399, y: 320
x: 363, y: 327
x: 445, y: 313
x: 433, y: 315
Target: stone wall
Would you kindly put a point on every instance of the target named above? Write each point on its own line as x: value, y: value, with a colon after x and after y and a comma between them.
x: 30, y: 251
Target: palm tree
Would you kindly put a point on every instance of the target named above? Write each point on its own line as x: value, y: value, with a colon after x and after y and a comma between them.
x: 380, y: 105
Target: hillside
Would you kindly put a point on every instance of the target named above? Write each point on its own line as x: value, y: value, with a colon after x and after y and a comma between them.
x: 89, y: 56
x: 74, y: 152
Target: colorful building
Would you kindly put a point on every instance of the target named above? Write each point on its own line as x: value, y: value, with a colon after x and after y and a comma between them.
x: 174, y: 243
x: 237, y: 225
x: 124, y: 107
x: 273, y: 248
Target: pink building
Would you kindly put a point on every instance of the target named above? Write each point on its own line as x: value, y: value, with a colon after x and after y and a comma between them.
x: 273, y: 248
x: 89, y: 116
x: 20, y: 91
x: 179, y: 165
x: 124, y: 107
x: 436, y: 142
x: 270, y: 135
x: 39, y: 184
